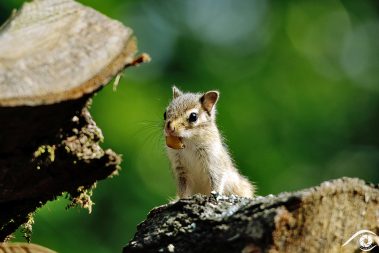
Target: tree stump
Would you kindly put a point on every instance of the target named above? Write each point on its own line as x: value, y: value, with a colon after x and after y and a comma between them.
x: 319, y: 219
x: 54, y: 55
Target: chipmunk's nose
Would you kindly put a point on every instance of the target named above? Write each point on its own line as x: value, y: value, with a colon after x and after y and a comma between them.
x: 169, y: 127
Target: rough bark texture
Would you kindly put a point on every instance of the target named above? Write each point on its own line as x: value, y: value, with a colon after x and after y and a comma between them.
x: 54, y: 54
x: 318, y: 219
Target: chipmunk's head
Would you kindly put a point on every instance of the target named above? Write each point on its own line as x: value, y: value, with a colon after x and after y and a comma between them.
x: 189, y: 112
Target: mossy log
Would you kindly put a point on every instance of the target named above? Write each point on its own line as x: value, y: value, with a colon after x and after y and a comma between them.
x: 318, y: 219
x: 54, y: 55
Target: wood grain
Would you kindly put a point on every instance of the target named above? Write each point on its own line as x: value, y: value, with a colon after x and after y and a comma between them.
x: 55, y: 50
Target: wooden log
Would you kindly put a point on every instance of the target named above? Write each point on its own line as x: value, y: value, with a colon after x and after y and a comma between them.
x: 319, y: 219
x: 54, y: 55
x: 23, y: 248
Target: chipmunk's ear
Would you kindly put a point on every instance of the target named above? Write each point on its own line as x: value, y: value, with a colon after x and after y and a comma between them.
x: 176, y: 92
x: 209, y: 99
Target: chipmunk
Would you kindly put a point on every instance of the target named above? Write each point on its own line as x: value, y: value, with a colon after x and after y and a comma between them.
x: 199, y: 159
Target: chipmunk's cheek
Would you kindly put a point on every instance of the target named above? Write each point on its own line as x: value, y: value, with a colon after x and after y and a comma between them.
x: 185, y: 133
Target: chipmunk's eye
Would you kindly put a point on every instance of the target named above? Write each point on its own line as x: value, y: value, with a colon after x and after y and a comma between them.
x: 164, y: 115
x: 193, y: 117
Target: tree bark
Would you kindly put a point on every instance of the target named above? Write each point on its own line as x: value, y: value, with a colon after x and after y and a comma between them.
x: 54, y: 55
x: 318, y: 219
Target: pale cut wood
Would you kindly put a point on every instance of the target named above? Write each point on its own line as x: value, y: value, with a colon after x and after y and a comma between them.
x: 55, y: 50
x: 23, y: 248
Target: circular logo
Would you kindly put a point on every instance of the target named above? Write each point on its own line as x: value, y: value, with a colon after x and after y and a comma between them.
x: 367, y: 239
x: 366, y: 242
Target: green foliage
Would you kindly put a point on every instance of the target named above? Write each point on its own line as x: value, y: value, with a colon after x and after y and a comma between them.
x: 299, y: 103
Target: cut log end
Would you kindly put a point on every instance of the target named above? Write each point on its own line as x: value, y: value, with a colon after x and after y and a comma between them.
x: 72, y: 50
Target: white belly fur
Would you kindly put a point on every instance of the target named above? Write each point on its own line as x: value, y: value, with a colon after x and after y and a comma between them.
x: 198, y: 171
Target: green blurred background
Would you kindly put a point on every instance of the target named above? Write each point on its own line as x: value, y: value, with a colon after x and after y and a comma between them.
x: 299, y: 103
